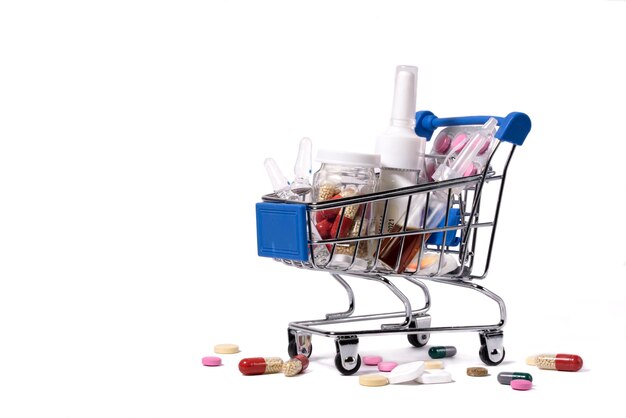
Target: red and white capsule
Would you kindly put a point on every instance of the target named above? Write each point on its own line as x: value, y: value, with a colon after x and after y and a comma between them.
x: 561, y: 362
x: 295, y: 365
x: 260, y: 365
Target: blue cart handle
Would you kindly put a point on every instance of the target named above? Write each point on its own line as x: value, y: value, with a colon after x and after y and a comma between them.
x: 513, y: 128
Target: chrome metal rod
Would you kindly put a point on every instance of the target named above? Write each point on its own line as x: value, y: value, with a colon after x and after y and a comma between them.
x: 426, y: 294
x: 299, y: 326
x: 348, y: 289
x: 479, y: 289
x: 399, y: 295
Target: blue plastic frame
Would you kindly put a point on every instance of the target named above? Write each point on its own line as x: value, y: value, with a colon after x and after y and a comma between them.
x: 514, y: 127
x: 281, y: 231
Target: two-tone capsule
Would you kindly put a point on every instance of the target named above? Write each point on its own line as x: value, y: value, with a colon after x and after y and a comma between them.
x: 260, y: 365
x: 295, y: 365
x: 441, y: 351
x: 561, y: 362
x: 506, y: 377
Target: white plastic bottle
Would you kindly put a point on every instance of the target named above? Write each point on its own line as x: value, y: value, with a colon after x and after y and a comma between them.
x: 401, y: 150
x: 396, y: 253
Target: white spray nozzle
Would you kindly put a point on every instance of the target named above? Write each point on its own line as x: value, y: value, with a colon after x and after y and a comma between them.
x: 404, y: 96
x: 469, y: 153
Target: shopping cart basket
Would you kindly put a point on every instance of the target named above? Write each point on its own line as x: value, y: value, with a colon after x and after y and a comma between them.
x: 285, y: 233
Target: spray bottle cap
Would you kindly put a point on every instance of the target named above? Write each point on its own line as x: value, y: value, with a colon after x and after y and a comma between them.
x: 399, y: 146
x: 404, y: 96
x: 465, y: 160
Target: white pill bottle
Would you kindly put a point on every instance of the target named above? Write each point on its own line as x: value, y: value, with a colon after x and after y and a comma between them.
x: 401, y: 150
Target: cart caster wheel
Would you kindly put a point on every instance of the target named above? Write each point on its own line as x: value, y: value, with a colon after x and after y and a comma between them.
x: 418, y: 340
x: 343, y: 370
x: 292, y: 349
x: 491, y: 359
x: 299, y: 341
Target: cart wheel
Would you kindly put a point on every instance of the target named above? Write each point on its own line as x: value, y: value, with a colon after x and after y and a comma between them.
x: 492, y: 359
x: 418, y: 340
x: 345, y: 371
x: 292, y: 349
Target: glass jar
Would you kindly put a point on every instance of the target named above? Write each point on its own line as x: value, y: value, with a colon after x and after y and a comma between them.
x: 344, y: 175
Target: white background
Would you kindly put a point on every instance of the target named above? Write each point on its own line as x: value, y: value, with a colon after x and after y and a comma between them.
x: 132, y: 137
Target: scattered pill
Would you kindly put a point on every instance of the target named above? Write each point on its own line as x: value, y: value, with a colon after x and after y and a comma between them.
x: 521, y: 384
x: 226, y: 348
x: 477, y: 371
x: 373, y: 380
x: 506, y: 377
x: 441, y: 352
x: 531, y: 360
x: 372, y: 360
x: 433, y: 364
x: 435, y: 376
x: 387, y: 366
x: 211, y: 361
x: 406, y: 372
x: 295, y: 365
x: 260, y: 365
x: 561, y: 362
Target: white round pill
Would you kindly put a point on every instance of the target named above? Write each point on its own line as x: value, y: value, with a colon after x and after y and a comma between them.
x: 406, y: 372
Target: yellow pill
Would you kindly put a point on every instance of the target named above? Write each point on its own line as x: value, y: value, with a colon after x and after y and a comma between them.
x: 226, y: 348
x: 373, y: 380
x: 433, y: 364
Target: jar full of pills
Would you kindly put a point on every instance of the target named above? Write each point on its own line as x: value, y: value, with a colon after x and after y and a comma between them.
x: 344, y: 175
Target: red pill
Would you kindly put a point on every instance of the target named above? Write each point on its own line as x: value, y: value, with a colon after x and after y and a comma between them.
x: 346, y: 225
x: 260, y: 365
x: 561, y: 362
x: 329, y: 214
x: 324, y: 228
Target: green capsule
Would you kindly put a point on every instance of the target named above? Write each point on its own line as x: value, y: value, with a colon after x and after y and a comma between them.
x: 442, y: 351
x: 506, y: 377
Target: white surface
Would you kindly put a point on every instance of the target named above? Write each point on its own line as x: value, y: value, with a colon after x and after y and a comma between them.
x: 127, y: 230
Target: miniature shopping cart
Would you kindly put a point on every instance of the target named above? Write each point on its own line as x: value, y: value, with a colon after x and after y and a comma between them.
x: 285, y: 233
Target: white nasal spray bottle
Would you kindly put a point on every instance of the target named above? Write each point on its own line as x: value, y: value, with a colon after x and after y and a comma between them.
x: 401, y: 150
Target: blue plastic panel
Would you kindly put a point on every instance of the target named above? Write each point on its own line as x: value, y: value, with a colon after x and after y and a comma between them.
x: 281, y: 231
x: 452, y: 240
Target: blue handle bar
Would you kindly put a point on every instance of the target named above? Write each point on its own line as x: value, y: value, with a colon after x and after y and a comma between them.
x: 513, y: 128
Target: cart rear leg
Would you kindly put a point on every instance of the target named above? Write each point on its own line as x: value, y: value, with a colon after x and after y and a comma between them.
x: 491, y: 347
x: 299, y: 343
x: 347, y: 360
